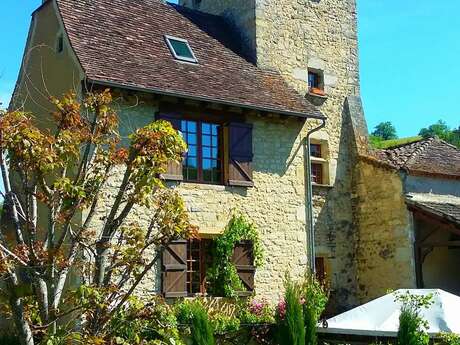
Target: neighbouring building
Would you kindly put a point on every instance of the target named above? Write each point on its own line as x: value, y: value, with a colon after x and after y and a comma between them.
x: 408, y: 218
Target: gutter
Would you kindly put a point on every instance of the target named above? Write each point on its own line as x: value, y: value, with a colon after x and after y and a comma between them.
x: 205, y: 99
x: 310, y: 230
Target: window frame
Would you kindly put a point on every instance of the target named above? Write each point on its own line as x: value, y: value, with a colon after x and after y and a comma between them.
x: 321, y: 162
x: 199, y: 148
x: 203, y: 263
x: 170, y: 38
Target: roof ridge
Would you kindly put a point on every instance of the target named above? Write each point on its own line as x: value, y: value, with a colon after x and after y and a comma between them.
x: 405, y: 144
x: 446, y: 143
x: 419, y: 149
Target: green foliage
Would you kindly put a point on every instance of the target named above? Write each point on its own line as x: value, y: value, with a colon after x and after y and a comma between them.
x: 449, y: 339
x: 412, y: 327
x: 385, y: 130
x: 139, y: 323
x: 7, y: 339
x: 194, y: 314
x: 222, y: 276
x: 379, y: 143
x: 221, y: 322
x: 256, y: 312
x: 315, y: 301
x: 442, y: 131
x: 291, y: 326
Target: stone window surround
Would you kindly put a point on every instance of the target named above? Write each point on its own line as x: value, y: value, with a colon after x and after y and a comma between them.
x: 324, y: 161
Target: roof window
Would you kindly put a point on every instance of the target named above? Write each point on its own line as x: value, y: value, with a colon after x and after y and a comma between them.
x: 180, y: 49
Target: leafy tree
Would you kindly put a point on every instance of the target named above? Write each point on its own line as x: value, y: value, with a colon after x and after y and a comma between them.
x: 439, y: 129
x: 385, y: 131
x: 61, y: 174
x: 442, y: 131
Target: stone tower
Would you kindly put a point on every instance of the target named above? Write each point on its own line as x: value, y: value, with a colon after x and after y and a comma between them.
x: 316, y: 37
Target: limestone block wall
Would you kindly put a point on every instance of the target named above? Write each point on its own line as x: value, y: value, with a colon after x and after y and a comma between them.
x: 276, y: 204
x: 292, y: 37
x: 385, y: 237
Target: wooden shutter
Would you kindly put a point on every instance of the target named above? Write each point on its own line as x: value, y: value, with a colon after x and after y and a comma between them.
x: 243, y: 259
x: 240, y: 155
x: 174, y: 171
x: 174, y: 269
x: 320, y: 269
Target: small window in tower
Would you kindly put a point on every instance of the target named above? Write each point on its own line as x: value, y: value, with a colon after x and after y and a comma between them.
x: 315, y: 150
x: 316, y: 82
x: 60, y: 43
x: 317, y: 173
x: 180, y: 49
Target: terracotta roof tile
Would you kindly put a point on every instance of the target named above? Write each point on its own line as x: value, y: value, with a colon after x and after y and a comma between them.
x: 429, y: 156
x: 122, y: 42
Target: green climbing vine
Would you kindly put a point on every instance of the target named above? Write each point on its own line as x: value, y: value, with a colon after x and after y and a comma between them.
x: 222, y: 276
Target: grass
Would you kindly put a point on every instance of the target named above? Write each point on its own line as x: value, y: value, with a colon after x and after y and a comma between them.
x: 385, y: 144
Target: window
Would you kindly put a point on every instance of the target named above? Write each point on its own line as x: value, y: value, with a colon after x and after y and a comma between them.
x: 315, y: 150
x: 198, y: 260
x: 203, y: 162
x: 313, y: 80
x: 184, y: 265
x: 320, y: 270
x: 316, y: 82
x: 60, y: 43
x: 319, y: 162
x: 317, y: 173
x: 180, y: 49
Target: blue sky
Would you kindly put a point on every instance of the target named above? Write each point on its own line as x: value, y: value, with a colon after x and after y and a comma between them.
x: 409, y: 53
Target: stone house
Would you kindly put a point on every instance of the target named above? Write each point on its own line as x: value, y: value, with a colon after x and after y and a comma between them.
x: 414, y: 242
x: 267, y: 96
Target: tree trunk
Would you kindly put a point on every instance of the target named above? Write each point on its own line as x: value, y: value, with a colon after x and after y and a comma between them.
x: 22, y: 325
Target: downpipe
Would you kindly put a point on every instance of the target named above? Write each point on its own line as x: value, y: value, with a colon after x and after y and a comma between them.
x: 310, y: 230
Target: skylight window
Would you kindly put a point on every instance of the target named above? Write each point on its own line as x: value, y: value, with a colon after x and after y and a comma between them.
x: 180, y: 49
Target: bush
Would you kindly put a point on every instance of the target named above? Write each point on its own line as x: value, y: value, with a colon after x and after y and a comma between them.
x: 202, y: 331
x: 449, y: 339
x: 8, y: 339
x: 291, y: 326
x: 315, y: 300
x: 139, y: 322
x: 412, y: 327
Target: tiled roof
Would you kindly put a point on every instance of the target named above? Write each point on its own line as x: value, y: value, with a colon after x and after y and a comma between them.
x: 445, y: 206
x: 427, y: 156
x: 121, y: 42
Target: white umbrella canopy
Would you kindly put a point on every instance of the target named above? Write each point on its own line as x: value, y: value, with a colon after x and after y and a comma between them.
x: 380, y: 317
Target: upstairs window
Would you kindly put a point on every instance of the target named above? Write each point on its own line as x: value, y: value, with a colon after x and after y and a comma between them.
x: 313, y: 80
x: 203, y: 162
x: 316, y: 82
x: 319, y: 163
x: 180, y: 49
x: 211, y: 158
x: 315, y: 150
x: 317, y: 173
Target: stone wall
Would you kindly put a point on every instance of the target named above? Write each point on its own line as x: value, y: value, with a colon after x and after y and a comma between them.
x: 291, y: 37
x: 276, y: 203
x: 385, y: 237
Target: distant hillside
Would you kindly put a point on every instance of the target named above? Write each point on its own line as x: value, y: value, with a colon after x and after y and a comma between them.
x: 378, y: 143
